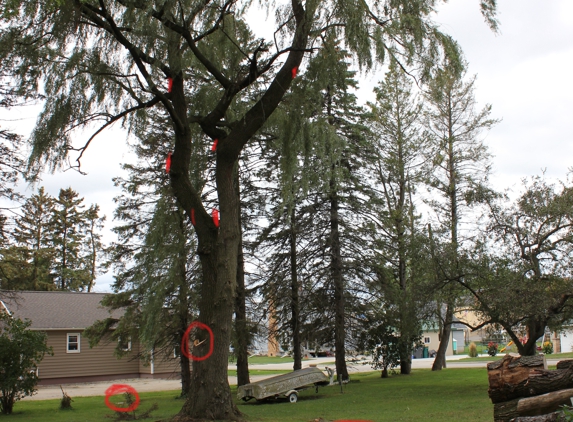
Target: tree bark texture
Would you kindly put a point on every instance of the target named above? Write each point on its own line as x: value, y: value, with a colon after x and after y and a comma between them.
x: 440, y: 360
x: 565, y: 364
x: 295, y: 305
x: 512, y: 370
x: 531, y: 406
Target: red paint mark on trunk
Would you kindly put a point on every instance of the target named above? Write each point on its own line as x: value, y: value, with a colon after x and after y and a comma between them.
x: 185, y: 341
x: 214, y: 146
x: 193, y: 216
x: 215, y: 215
x: 293, y: 71
x: 168, y: 163
x: 169, y: 84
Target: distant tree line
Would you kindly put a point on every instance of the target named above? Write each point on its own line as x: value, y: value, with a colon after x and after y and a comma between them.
x: 51, y: 244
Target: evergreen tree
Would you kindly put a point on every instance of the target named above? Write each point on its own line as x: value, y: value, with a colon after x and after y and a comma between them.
x: 93, y: 245
x: 67, y: 223
x: 313, y: 237
x: 397, y: 173
x: 459, y: 178
x: 33, y: 236
x: 182, y: 42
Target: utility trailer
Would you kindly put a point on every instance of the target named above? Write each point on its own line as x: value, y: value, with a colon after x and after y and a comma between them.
x: 286, y: 385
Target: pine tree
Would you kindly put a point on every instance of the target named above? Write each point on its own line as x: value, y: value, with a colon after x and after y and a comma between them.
x: 93, y: 245
x: 67, y: 223
x: 33, y: 235
x: 459, y: 177
x: 397, y: 174
x: 314, y: 216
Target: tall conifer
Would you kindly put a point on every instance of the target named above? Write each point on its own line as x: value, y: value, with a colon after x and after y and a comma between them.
x: 459, y: 177
x: 398, y: 144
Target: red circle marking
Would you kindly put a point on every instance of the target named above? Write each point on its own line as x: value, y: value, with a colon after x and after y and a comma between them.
x: 118, y: 389
x: 185, y: 341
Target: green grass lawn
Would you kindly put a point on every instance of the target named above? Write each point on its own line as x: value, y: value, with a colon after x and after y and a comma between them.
x: 88, y: 409
x: 448, y: 395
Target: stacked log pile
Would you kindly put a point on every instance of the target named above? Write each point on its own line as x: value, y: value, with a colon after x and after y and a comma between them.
x: 522, y: 389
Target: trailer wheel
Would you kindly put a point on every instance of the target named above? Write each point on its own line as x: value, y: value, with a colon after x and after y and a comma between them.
x: 293, y: 397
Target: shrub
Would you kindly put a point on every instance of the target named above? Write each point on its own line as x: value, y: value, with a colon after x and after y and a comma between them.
x: 473, y: 350
x: 547, y: 348
x: 20, y: 352
x: 492, y: 348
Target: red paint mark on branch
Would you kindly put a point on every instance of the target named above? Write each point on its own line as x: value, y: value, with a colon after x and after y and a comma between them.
x: 168, y: 163
x: 169, y: 84
x: 215, y: 215
x: 293, y: 72
x: 193, y: 216
x: 118, y: 389
x: 214, y: 146
x: 185, y: 341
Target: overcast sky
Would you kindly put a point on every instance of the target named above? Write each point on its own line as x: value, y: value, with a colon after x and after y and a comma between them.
x: 524, y: 72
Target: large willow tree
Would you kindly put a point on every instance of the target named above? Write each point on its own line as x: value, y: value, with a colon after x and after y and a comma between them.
x: 112, y: 60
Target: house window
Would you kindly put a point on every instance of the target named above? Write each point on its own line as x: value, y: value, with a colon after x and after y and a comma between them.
x: 426, y: 340
x: 125, y: 345
x: 73, y: 343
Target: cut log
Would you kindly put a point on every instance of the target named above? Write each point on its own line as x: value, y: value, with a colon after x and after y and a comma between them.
x: 565, y: 364
x: 506, y: 411
x: 539, y: 382
x: 513, y: 369
x: 544, y: 403
x: 551, y: 417
x: 531, y: 406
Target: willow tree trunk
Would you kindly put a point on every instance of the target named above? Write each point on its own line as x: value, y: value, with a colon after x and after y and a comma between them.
x: 210, y: 397
x: 295, y: 305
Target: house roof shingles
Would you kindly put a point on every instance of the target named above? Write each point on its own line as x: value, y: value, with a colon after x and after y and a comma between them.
x: 58, y: 310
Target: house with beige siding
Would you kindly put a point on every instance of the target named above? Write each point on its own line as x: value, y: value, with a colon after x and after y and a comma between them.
x: 64, y: 316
